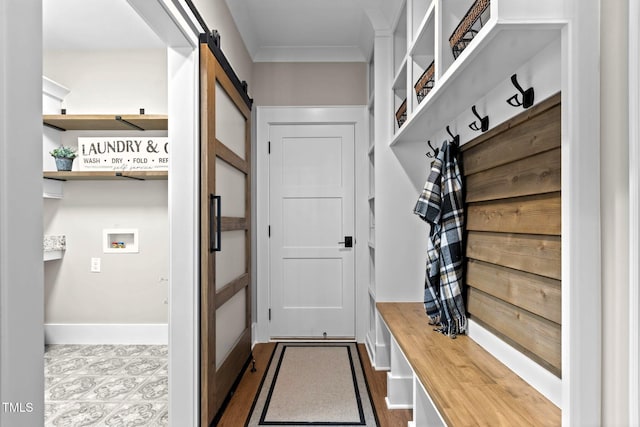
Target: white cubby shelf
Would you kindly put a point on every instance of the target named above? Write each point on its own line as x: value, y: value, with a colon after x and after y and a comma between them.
x: 515, y: 32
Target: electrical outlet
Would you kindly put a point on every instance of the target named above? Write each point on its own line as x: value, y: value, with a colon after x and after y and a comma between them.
x: 95, y: 265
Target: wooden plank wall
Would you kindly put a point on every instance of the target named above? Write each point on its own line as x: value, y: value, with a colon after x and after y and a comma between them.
x: 512, y: 179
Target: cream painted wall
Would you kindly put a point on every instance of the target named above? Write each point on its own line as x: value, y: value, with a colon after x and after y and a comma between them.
x: 110, y: 81
x: 614, y: 155
x: 295, y: 84
x: 131, y: 288
x: 217, y: 16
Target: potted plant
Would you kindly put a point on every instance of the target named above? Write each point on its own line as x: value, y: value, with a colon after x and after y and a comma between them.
x: 64, y: 157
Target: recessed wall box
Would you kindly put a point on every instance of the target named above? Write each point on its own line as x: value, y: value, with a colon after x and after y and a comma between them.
x: 120, y: 240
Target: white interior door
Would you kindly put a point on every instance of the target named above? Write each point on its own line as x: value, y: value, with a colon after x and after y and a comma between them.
x: 311, y: 211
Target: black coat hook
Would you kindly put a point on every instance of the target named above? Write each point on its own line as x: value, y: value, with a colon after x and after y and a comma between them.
x: 454, y: 139
x: 527, y: 95
x: 484, y: 121
x: 434, y: 152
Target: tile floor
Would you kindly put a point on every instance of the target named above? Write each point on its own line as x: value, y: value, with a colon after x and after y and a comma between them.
x: 106, y: 385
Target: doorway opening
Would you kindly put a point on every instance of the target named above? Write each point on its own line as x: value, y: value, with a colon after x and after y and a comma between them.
x: 106, y: 291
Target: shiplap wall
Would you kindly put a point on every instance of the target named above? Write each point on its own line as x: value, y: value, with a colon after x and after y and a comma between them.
x: 513, y: 251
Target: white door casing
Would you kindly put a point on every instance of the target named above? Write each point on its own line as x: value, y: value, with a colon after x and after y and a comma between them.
x: 311, y: 211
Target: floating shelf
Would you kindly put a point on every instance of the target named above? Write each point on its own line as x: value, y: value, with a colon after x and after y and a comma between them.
x: 140, y: 122
x: 107, y: 175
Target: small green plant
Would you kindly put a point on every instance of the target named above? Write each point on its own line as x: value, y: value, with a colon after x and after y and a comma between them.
x: 63, y: 152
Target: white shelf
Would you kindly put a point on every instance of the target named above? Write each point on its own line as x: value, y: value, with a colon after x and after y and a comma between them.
x: 516, y: 31
x: 455, y: 91
x: 425, y: 18
x: 52, y: 189
x: 52, y: 255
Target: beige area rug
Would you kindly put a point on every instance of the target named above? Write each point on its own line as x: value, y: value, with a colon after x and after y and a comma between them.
x: 313, y: 384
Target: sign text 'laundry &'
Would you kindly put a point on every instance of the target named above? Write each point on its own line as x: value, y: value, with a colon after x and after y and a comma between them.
x: 100, y: 154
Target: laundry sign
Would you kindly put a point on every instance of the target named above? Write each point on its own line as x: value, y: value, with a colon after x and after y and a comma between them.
x: 123, y: 154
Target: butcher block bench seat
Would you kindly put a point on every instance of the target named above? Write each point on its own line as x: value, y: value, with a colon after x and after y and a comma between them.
x: 466, y: 385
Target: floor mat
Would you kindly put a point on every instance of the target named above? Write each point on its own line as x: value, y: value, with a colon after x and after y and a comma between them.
x: 313, y: 384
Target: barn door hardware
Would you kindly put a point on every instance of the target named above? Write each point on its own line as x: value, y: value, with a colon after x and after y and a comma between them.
x: 455, y: 140
x: 527, y: 95
x: 434, y: 151
x: 484, y: 121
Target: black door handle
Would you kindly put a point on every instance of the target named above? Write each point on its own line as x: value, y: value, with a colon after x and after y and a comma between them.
x: 215, y: 231
x: 348, y: 242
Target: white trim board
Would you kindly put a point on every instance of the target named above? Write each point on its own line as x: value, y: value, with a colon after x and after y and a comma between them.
x: 267, y: 116
x: 535, y: 375
x: 634, y: 213
x: 105, y: 333
x: 172, y: 21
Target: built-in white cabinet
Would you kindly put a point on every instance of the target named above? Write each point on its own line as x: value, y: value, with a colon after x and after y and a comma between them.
x: 371, y: 246
x: 513, y: 31
x: 419, y: 89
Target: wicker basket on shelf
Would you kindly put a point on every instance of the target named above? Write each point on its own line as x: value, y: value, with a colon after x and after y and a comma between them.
x: 477, y: 15
x: 401, y: 113
x: 425, y: 82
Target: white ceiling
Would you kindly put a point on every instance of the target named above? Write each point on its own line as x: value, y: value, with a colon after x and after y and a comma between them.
x: 95, y: 24
x: 304, y: 30
x: 273, y: 30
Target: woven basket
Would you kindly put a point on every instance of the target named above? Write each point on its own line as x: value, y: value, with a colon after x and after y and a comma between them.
x: 477, y: 15
x: 425, y: 82
x: 401, y: 114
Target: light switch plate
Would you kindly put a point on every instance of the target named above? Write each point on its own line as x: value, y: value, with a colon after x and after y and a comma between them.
x: 95, y: 265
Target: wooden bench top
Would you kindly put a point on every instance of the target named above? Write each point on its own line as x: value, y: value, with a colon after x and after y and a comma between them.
x: 468, y: 386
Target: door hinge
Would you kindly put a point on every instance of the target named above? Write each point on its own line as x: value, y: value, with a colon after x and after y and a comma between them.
x: 269, y: 231
x: 269, y: 315
x: 268, y: 147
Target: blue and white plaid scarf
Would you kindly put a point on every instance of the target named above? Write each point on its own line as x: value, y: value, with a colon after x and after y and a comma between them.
x: 441, y: 204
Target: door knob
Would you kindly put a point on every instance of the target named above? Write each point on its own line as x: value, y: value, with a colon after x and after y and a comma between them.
x: 348, y: 242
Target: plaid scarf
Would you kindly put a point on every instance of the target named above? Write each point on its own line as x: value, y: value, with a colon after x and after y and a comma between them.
x: 441, y: 204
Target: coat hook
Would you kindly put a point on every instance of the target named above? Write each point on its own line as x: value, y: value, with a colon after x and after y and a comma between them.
x: 484, y: 121
x: 455, y: 139
x: 527, y: 95
x: 434, y: 151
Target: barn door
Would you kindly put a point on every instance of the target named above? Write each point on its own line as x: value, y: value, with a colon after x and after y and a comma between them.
x: 225, y: 299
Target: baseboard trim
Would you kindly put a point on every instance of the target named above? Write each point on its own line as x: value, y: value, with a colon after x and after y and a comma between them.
x: 106, y: 333
x: 534, y: 374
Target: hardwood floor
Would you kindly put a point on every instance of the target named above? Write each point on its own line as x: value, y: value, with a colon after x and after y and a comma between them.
x: 239, y: 406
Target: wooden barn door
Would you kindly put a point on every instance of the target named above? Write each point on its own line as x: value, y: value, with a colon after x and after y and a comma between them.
x: 225, y: 297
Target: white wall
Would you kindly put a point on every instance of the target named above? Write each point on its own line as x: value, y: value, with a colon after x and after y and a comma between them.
x: 131, y: 288
x: 21, y: 294
x: 110, y: 81
x: 217, y: 16
x: 318, y: 83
